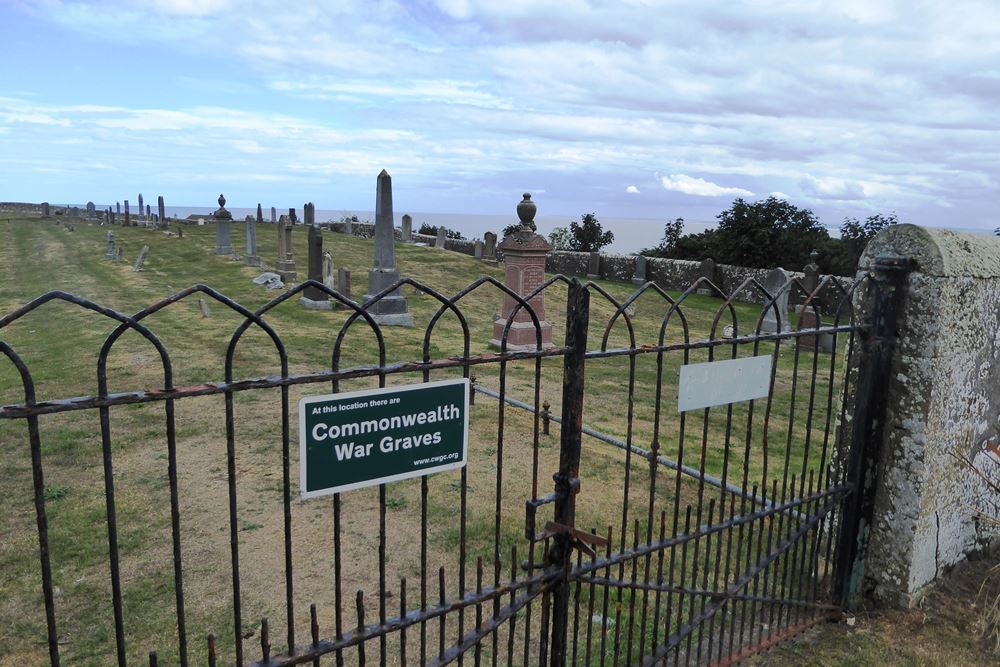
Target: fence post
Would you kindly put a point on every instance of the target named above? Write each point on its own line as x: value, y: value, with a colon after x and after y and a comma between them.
x: 567, y: 482
x: 863, y: 466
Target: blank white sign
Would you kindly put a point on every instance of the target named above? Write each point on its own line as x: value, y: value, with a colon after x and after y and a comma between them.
x: 723, y: 382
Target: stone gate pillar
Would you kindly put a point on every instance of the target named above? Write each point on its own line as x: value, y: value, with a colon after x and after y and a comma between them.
x: 524, y: 256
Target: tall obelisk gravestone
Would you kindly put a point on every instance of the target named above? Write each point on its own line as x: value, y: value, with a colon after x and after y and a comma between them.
x: 161, y: 212
x: 390, y: 310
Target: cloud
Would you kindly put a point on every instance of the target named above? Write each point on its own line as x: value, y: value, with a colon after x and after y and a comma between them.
x: 632, y: 190
x: 832, y: 188
x: 699, y: 187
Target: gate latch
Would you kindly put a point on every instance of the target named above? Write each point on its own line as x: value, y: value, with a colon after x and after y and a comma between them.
x: 578, y: 539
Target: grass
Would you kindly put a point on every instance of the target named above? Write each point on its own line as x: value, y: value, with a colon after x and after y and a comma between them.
x: 60, y: 344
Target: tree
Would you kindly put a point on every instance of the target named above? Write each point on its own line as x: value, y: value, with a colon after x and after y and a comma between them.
x: 673, y: 232
x: 560, y: 239
x: 767, y: 233
x: 431, y: 230
x: 854, y: 237
x: 588, y: 235
x: 510, y: 229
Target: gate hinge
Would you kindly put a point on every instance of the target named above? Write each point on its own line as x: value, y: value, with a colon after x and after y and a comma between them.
x: 578, y: 539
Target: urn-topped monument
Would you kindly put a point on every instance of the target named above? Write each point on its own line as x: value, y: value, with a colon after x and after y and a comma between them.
x: 524, y: 257
x: 222, y: 218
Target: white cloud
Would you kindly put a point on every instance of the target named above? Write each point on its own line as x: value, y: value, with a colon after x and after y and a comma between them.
x: 632, y: 190
x: 779, y: 195
x: 832, y: 188
x: 699, y: 187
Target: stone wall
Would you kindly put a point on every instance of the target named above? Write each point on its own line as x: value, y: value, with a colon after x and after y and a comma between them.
x: 944, y: 399
x: 366, y: 230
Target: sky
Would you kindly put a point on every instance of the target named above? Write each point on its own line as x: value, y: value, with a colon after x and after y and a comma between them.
x: 626, y: 108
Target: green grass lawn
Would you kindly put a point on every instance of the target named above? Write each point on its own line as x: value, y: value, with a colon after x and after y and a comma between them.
x: 60, y: 344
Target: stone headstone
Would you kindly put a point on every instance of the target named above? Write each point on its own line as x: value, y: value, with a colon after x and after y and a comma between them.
x: 490, y: 246
x: 776, y: 284
x: 291, y: 216
x: 222, y: 219
x: 128, y: 215
x: 810, y: 281
x: 391, y: 309
x: 149, y: 213
x: 524, y: 256
x: 118, y: 207
x: 594, y: 266
x: 328, y: 276
x: 203, y: 307
x: 274, y: 216
x: 477, y: 249
x: 161, y: 212
x: 75, y: 211
x: 45, y: 209
x: 141, y: 259
x: 348, y: 226
x: 809, y: 320
x: 639, y: 277
x: 91, y: 210
x: 111, y: 252
x: 121, y: 253
x: 111, y: 215
x: 180, y: 232
x: 313, y: 297
x: 407, y: 229
x: 707, y: 271
x: 442, y: 236
x: 250, y: 239
x: 343, y: 284
x: 141, y: 209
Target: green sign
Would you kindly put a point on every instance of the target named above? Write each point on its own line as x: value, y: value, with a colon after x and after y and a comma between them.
x: 358, y: 439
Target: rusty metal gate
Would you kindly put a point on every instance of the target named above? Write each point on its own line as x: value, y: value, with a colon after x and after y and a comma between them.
x: 665, y: 537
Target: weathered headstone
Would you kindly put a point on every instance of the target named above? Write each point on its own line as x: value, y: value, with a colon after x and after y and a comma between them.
x: 291, y: 216
x: 250, y: 241
x: 407, y: 229
x: 524, y: 255
x: 776, y: 284
x: 442, y: 236
x: 121, y: 252
x: 45, y: 209
x: 203, y: 307
x: 286, y: 262
x: 639, y: 277
x: 141, y: 206
x: 111, y: 253
x: 391, y: 309
x: 313, y: 297
x: 91, y: 210
x: 808, y: 317
x: 118, y: 207
x: 149, y: 214
x: 141, y: 259
x: 75, y: 212
x: 180, y: 232
x: 128, y: 215
x: 222, y: 218
x: 111, y: 215
x: 328, y: 276
x: 490, y: 247
x: 343, y: 285
x: 161, y: 212
x: 707, y: 271
x: 348, y: 226
x: 107, y: 216
x: 274, y: 216
x: 477, y: 249
x: 594, y: 266
x: 810, y: 280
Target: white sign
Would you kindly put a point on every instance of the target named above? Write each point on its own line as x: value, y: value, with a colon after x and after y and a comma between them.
x: 723, y: 382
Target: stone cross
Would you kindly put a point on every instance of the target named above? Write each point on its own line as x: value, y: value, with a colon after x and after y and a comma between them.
x: 407, y: 228
x: 250, y: 239
x: 594, y: 266
x: 442, y: 235
x: 161, y: 211
x: 313, y: 297
x: 128, y: 216
x: 524, y: 256
x: 776, y: 284
x: 490, y: 246
x: 141, y: 259
x: 391, y: 309
x: 344, y: 284
x: 477, y: 250
x: 222, y: 218
x: 639, y: 277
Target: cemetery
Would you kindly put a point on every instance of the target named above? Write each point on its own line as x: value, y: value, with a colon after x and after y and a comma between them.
x: 166, y: 360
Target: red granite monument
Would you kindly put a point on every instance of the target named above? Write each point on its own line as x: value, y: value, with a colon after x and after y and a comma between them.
x: 524, y: 256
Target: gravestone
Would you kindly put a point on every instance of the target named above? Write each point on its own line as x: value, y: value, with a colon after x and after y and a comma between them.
x: 141, y: 259
x: 594, y: 266
x: 161, y: 212
x: 810, y: 282
x: 490, y: 247
x: 107, y: 216
x: 121, y: 253
x: 91, y: 210
x: 343, y: 285
x: 291, y: 216
x: 809, y: 315
x: 328, y: 277
x: 286, y: 262
x: 348, y: 226
x: 45, y: 209
x: 118, y: 207
x: 524, y: 256
x: 111, y: 253
x: 707, y: 270
x: 128, y: 215
x: 180, y: 232
x: 203, y: 307
x: 639, y: 277
x: 141, y: 209
x: 442, y: 236
x: 390, y: 310
x: 223, y: 219
x: 407, y: 229
x: 776, y: 283
x: 477, y: 249
x: 274, y: 216
x: 75, y: 212
x: 111, y: 215
x: 149, y: 214
x: 250, y: 239
x: 313, y: 297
